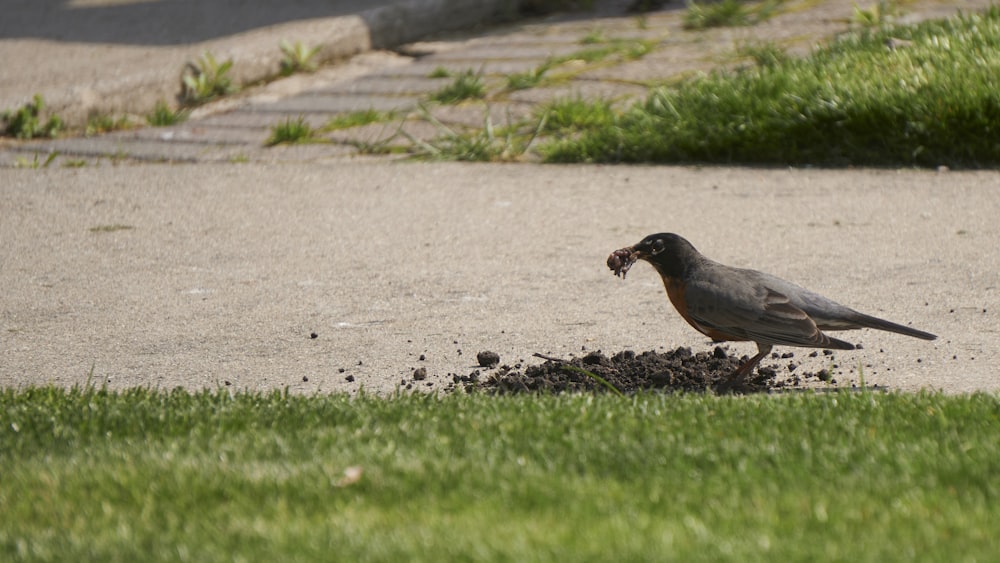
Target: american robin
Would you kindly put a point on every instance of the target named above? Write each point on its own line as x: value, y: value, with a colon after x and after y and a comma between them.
x: 726, y: 303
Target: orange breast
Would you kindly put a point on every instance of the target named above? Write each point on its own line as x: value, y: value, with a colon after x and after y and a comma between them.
x: 675, y: 291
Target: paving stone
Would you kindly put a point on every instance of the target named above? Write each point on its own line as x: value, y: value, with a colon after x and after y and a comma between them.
x: 507, y: 53
x: 500, y: 113
x: 383, y: 85
x: 201, y: 133
x: 579, y: 89
x: 425, y: 67
x: 338, y: 103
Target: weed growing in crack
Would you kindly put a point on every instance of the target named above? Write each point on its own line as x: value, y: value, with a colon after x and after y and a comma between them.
x: 357, y: 119
x: 207, y: 80
x: 163, y: 116
x: 291, y: 131
x: 439, y: 72
x: 529, y: 79
x: 727, y: 13
x: 26, y: 123
x: 467, y: 85
x: 489, y: 144
x: 104, y: 123
x: 35, y: 162
x: 297, y: 58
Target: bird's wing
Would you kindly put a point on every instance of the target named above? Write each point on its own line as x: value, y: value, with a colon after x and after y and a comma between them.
x: 756, y: 313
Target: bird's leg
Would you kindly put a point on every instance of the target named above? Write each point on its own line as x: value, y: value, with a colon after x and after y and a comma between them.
x: 740, y: 375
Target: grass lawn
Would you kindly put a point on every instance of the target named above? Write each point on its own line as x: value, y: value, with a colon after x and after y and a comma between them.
x: 918, y: 95
x: 142, y: 475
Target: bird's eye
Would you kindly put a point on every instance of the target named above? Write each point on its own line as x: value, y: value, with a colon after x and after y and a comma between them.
x: 658, y: 246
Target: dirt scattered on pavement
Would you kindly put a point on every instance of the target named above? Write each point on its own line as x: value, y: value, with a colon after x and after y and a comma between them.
x: 630, y: 372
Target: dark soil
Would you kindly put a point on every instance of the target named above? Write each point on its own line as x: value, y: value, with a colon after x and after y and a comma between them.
x: 677, y: 370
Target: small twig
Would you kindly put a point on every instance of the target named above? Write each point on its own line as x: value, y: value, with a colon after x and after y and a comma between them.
x: 550, y: 358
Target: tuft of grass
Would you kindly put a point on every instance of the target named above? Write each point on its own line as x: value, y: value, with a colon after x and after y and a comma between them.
x: 439, y: 72
x: 26, y: 121
x: 291, y: 131
x: 357, y: 119
x: 529, y: 79
x: 206, y: 80
x: 104, y: 123
x: 157, y: 475
x: 297, y: 57
x: 764, y: 53
x: 163, y: 116
x: 728, y: 13
x: 34, y: 162
x: 854, y: 102
x: 467, y: 85
x: 629, y: 49
x: 880, y: 13
x: 569, y: 115
x: 74, y: 163
x: 489, y: 144
x: 600, y: 47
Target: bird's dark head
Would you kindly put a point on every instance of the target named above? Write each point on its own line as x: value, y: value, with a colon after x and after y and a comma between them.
x: 670, y: 254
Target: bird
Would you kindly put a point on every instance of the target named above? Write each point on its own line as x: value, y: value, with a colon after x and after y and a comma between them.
x: 739, y: 304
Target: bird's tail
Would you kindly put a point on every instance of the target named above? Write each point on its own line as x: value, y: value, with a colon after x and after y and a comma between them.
x: 836, y: 344
x: 882, y: 324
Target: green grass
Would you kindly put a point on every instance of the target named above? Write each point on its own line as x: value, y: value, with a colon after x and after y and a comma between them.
x: 489, y: 144
x: 357, y: 119
x: 207, y: 80
x: 163, y: 116
x: 34, y: 162
x: 297, y: 58
x: 856, y: 102
x: 439, y: 72
x: 877, y: 14
x: 764, y: 53
x: 728, y: 13
x: 575, y: 114
x: 26, y: 121
x: 598, y: 48
x: 628, y: 49
x: 291, y: 131
x: 100, y: 123
x: 467, y: 85
x: 527, y: 79
x: 147, y: 475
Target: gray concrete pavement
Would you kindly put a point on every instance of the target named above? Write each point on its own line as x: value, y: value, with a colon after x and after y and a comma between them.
x: 198, y: 275
x: 122, y: 56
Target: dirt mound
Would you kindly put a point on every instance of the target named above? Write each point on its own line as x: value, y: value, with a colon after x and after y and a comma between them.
x: 677, y: 370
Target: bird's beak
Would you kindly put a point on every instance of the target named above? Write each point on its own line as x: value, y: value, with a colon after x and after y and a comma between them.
x: 639, y: 251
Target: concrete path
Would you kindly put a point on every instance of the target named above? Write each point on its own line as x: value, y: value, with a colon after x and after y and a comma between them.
x: 130, y: 274
x: 122, y: 56
x: 201, y: 275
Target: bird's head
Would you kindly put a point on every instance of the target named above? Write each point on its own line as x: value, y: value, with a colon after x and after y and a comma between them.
x: 666, y: 252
